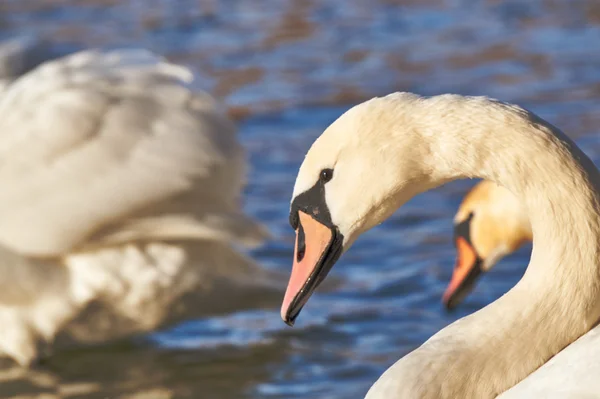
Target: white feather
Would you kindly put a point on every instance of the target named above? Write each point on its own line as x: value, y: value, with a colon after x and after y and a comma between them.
x: 120, y: 189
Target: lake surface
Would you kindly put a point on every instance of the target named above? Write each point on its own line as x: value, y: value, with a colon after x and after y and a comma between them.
x: 285, y: 70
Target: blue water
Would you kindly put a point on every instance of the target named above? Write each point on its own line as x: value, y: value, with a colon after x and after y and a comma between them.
x: 286, y: 70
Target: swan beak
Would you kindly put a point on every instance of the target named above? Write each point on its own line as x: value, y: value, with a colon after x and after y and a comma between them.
x: 317, y: 249
x: 467, y: 269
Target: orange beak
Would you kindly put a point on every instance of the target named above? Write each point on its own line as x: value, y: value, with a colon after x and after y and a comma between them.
x: 466, y: 272
x: 316, y: 250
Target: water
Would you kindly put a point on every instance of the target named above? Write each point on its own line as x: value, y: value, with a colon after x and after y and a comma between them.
x: 286, y: 70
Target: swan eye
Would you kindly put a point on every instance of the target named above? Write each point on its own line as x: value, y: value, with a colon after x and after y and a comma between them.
x: 326, y: 175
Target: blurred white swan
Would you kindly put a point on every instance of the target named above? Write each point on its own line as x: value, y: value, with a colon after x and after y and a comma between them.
x: 119, y: 198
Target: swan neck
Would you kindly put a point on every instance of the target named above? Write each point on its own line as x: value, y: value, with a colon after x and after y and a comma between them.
x: 555, y: 181
x: 557, y: 299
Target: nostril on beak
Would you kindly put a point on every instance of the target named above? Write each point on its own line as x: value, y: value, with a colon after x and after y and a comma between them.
x: 301, y: 250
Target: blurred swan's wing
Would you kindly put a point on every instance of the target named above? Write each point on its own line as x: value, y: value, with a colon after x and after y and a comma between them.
x: 113, y: 146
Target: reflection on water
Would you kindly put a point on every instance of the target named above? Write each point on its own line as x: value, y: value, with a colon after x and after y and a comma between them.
x: 286, y: 70
x: 145, y: 371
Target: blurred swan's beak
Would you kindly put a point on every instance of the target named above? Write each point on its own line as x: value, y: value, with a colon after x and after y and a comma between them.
x: 467, y: 268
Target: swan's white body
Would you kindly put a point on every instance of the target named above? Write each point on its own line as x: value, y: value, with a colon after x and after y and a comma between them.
x: 381, y: 153
x: 120, y: 197
x: 572, y: 373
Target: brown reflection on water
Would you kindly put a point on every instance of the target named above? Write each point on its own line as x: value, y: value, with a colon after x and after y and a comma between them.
x: 293, y: 26
x: 229, y: 81
x: 128, y: 371
x: 252, y: 42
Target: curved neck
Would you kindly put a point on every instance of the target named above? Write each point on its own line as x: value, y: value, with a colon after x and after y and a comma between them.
x: 556, y: 301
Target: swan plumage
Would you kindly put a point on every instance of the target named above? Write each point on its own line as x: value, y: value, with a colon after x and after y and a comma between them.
x: 121, y: 195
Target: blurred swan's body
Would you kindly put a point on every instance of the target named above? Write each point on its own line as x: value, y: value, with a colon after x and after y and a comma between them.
x: 490, y: 223
x: 120, y: 197
x: 536, y: 340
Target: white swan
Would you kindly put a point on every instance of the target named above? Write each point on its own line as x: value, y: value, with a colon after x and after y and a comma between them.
x: 490, y: 223
x: 383, y: 152
x: 120, y: 197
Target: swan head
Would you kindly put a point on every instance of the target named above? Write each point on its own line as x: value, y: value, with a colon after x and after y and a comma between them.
x: 353, y: 177
x: 490, y: 224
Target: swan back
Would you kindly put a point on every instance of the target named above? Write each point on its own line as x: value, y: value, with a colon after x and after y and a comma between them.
x: 112, y: 146
x: 120, y: 204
